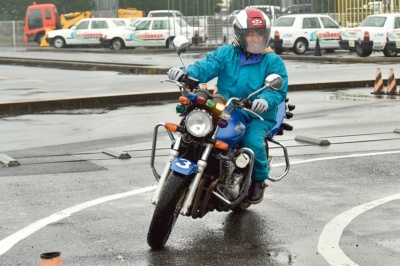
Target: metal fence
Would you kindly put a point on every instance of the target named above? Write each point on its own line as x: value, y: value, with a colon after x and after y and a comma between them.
x: 11, y: 33
x: 348, y: 13
x: 352, y: 13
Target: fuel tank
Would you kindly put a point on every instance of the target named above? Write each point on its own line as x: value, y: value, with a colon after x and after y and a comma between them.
x: 234, y: 132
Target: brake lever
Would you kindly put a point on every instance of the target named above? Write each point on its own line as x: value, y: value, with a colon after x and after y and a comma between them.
x: 254, y: 113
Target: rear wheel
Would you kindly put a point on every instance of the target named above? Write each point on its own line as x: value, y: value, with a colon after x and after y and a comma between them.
x: 389, y: 53
x: 58, y: 42
x: 278, y: 50
x: 361, y: 52
x: 117, y: 44
x: 300, y: 46
x: 169, y: 44
x: 167, y: 210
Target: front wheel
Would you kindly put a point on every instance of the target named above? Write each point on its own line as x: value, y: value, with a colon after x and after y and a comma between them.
x: 58, y: 42
x: 167, y: 210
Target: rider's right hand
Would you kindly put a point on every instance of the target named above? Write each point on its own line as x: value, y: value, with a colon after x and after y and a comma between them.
x: 175, y: 74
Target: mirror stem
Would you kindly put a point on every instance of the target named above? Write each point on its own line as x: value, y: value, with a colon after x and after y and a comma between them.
x: 183, y: 63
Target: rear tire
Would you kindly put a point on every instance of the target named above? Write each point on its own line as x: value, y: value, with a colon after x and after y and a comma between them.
x: 167, y: 210
x: 278, y: 51
x: 117, y: 44
x: 169, y: 44
x: 362, y: 53
x: 389, y: 53
x: 300, y: 47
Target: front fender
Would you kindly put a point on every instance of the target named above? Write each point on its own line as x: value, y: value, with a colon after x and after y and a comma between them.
x: 184, y: 166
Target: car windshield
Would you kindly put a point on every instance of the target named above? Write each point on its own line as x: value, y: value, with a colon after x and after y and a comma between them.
x: 373, y: 22
x: 284, y: 22
x: 181, y: 22
x: 119, y: 23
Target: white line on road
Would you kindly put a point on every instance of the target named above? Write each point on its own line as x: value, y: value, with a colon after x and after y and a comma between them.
x: 8, y: 242
x: 328, y: 243
x: 13, y: 239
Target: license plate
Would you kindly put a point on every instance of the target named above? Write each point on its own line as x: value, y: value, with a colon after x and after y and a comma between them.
x: 351, y: 43
x: 398, y: 45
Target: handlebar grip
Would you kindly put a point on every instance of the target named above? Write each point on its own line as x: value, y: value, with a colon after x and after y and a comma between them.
x: 247, y: 103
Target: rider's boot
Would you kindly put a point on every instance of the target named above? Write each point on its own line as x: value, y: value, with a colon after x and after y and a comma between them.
x: 256, y: 192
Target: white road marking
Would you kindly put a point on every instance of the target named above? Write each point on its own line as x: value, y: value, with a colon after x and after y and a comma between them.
x: 328, y: 243
x: 8, y: 242
x: 13, y: 239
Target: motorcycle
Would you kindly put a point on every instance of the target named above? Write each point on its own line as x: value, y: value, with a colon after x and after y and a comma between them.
x: 207, y: 169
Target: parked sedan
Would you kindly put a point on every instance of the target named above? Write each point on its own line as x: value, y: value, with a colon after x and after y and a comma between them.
x: 301, y: 32
x: 153, y: 32
x: 393, y: 41
x: 372, y: 35
x: 85, y: 32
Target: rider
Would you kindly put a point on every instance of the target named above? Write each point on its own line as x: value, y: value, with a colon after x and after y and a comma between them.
x: 241, y: 68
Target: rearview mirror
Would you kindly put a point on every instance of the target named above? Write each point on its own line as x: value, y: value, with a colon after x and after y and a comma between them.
x: 181, y: 44
x: 274, y: 81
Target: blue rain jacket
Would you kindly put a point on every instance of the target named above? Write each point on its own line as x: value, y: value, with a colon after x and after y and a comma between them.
x: 239, y: 76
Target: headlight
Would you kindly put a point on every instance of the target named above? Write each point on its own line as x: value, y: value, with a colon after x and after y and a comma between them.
x: 199, y: 123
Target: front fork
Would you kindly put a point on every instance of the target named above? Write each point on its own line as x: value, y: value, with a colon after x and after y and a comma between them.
x: 174, y: 152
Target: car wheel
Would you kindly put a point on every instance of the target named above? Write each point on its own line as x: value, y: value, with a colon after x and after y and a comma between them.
x: 170, y: 44
x: 278, y: 50
x: 117, y: 44
x: 361, y: 52
x: 300, y: 47
x: 58, y: 42
x: 389, y: 53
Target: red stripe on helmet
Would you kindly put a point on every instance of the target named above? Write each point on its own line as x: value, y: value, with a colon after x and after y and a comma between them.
x: 255, y: 19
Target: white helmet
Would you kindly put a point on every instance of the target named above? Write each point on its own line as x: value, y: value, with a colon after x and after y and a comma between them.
x: 250, y: 20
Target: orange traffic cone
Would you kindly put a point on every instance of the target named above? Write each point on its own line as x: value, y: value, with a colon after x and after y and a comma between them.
x: 51, y: 259
x: 391, y: 87
x: 378, y: 88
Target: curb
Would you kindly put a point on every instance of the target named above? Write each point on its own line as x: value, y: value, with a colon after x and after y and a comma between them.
x: 109, y: 101
x: 117, y: 100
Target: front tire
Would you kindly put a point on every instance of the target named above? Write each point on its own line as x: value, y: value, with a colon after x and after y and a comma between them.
x: 167, y: 210
x: 58, y: 42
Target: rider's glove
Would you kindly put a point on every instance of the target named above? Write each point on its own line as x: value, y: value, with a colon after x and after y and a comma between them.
x: 175, y: 74
x: 259, y: 106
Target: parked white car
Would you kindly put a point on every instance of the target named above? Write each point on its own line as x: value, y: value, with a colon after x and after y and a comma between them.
x: 86, y: 32
x: 153, y: 32
x: 299, y: 33
x: 371, y: 35
x: 393, y: 40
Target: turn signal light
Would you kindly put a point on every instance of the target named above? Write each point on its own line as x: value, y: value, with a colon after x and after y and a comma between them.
x: 183, y: 100
x: 171, y: 127
x: 221, y: 145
